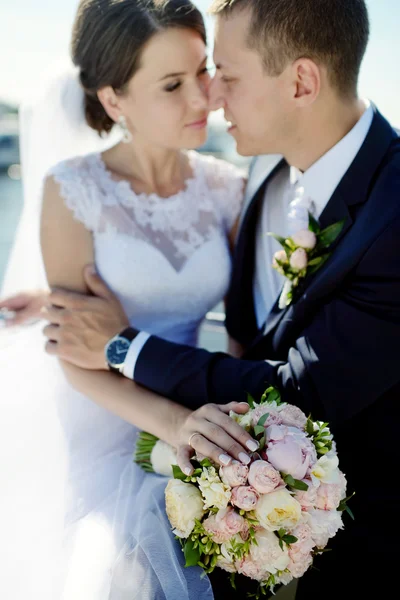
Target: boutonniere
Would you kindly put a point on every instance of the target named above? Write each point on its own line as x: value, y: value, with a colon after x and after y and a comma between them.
x: 303, y: 254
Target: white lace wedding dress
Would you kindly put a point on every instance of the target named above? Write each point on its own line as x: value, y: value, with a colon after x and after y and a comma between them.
x: 80, y: 520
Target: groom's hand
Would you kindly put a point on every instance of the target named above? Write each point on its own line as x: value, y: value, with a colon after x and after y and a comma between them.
x: 80, y: 326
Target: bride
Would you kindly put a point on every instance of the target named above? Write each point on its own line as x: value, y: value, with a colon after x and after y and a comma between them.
x: 81, y: 520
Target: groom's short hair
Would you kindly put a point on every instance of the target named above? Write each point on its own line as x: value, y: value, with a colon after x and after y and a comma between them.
x: 332, y: 32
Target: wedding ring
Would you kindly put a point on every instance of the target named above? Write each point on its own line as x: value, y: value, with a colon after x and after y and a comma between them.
x: 190, y: 439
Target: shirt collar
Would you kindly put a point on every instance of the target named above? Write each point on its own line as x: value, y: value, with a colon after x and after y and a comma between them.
x: 323, y: 177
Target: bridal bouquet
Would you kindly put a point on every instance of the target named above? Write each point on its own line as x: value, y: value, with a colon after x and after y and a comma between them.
x: 269, y: 519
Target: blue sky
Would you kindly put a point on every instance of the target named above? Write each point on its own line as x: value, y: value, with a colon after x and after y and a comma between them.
x: 35, y: 33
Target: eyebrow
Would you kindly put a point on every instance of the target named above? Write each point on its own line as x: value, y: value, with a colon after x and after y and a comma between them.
x: 182, y: 73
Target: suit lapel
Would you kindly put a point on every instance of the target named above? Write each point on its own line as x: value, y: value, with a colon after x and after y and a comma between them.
x: 240, y: 317
x: 353, y: 189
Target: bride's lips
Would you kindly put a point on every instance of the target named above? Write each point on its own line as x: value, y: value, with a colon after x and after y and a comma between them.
x: 198, y: 124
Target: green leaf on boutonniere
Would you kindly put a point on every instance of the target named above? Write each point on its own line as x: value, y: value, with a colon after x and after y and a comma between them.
x: 262, y: 420
x: 313, y: 224
x: 330, y: 234
x: 192, y: 555
x: 296, y: 484
x: 313, y: 267
x: 250, y: 400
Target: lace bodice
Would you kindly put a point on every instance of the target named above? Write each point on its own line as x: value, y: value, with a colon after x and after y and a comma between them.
x: 167, y: 259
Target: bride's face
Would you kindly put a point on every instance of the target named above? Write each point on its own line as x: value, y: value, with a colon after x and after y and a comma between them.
x: 166, y: 103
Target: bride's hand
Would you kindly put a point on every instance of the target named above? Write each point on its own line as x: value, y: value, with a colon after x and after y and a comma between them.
x: 211, y: 432
x: 24, y: 307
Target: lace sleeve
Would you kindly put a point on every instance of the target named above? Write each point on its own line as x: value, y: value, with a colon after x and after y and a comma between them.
x: 79, y: 194
x: 227, y: 184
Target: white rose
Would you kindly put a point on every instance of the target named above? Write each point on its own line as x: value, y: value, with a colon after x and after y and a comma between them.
x: 299, y: 259
x: 184, y: 504
x: 324, y: 524
x: 326, y: 470
x: 215, y: 492
x: 278, y: 510
x: 162, y: 457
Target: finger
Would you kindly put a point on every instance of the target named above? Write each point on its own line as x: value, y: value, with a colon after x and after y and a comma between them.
x: 237, y: 407
x: 206, y: 447
x: 215, y: 414
x: 229, y: 446
x: 52, y: 332
x: 95, y: 283
x: 54, y: 315
x: 17, y: 302
x: 65, y: 299
x: 51, y: 348
x: 183, y: 456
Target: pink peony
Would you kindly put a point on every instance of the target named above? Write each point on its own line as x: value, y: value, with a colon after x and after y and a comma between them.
x: 324, y: 525
x: 305, y: 239
x: 329, y: 495
x: 244, y: 497
x: 234, y: 474
x: 292, y: 416
x: 300, y: 552
x: 307, y: 498
x: 224, y: 525
x: 263, y: 477
x: 290, y: 451
x: 299, y: 259
x: 268, y: 553
x: 274, y: 417
x: 251, y: 568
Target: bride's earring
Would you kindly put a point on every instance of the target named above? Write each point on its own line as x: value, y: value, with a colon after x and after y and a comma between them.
x: 126, y: 134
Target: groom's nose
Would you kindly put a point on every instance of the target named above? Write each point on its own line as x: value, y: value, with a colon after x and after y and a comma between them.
x: 215, y: 94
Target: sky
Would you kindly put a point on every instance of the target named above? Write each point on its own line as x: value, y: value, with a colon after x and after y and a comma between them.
x: 34, y: 34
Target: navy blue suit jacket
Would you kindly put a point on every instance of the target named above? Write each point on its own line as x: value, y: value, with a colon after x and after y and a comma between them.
x: 335, y: 352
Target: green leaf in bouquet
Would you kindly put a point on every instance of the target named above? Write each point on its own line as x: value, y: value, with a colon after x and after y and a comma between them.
x: 192, y: 554
x: 263, y: 420
x: 313, y: 224
x: 289, y: 539
x: 206, y: 462
x: 232, y: 580
x: 178, y: 473
x: 259, y: 430
x: 250, y: 400
x: 272, y: 394
x: 327, y: 236
x: 296, y: 484
x: 261, y: 442
x: 310, y: 426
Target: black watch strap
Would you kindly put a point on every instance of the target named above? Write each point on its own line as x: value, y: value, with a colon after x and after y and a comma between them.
x: 129, y: 333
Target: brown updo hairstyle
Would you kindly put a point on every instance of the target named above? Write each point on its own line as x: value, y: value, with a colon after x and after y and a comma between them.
x: 108, y: 38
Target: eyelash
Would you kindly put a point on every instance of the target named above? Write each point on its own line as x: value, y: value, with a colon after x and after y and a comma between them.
x: 175, y: 86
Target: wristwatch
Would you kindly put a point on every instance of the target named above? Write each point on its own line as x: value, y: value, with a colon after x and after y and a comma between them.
x: 117, y: 348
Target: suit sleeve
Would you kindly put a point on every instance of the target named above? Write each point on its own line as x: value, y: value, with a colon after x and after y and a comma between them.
x: 345, y: 359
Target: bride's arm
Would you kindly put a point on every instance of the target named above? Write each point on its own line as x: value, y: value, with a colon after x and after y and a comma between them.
x: 67, y: 246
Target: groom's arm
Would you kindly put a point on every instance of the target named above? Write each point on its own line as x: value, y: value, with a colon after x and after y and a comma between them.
x: 346, y: 358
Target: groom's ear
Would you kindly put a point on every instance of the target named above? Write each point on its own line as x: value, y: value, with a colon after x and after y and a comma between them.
x: 110, y: 102
x: 307, y: 77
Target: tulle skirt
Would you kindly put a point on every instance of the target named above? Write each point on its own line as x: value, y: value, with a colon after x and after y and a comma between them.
x: 79, y: 520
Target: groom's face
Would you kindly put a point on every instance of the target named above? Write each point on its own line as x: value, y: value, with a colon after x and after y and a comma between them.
x: 257, y: 105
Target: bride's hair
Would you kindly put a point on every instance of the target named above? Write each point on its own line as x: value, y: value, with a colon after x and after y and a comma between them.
x: 108, y: 38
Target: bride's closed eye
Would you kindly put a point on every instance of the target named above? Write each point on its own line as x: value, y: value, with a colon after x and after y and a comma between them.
x: 172, y: 87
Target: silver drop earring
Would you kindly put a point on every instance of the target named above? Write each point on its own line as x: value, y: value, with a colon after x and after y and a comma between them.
x: 126, y: 134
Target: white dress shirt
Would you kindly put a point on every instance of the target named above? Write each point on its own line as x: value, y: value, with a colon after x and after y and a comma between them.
x: 318, y: 183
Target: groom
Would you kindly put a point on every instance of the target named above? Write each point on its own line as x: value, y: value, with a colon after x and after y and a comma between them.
x: 287, y: 74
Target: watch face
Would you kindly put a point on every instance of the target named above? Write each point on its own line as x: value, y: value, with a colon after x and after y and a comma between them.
x: 116, y: 351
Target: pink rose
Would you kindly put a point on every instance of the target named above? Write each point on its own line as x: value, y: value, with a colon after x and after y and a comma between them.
x: 244, y: 497
x: 290, y: 451
x: 300, y: 552
x: 234, y: 474
x: 224, y: 525
x: 329, y: 495
x: 305, y: 239
x: 299, y: 259
x: 292, y: 416
x: 307, y: 498
x: 263, y: 477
